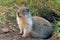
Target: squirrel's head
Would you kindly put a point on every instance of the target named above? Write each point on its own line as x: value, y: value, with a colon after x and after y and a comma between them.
x: 22, y: 11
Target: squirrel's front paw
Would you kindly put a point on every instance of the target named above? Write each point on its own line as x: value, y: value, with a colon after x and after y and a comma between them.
x: 24, y: 36
x: 21, y: 33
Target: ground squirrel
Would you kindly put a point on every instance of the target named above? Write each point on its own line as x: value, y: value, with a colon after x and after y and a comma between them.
x: 33, y: 25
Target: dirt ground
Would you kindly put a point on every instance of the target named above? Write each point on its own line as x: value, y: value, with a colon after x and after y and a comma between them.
x: 10, y: 35
x: 16, y: 36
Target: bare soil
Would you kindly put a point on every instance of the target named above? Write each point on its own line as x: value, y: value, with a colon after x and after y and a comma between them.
x: 10, y: 35
x: 16, y: 36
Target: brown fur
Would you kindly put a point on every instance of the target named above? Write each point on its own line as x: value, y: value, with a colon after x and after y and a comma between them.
x: 20, y: 10
x: 24, y: 23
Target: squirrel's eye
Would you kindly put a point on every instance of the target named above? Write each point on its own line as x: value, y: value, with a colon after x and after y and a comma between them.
x: 26, y: 10
x: 23, y: 10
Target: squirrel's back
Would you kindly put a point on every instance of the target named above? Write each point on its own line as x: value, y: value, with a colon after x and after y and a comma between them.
x: 41, y: 28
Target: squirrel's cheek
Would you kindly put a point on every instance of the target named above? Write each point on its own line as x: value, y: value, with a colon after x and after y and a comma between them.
x: 20, y: 11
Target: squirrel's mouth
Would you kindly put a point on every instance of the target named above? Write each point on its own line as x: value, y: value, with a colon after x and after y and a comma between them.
x: 20, y: 12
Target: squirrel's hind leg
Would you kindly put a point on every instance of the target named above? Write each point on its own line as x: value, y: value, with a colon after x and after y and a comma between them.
x: 26, y: 32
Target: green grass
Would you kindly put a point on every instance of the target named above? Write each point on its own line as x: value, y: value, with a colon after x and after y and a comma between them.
x: 57, y: 28
x: 3, y: 18
x: 7, y: 3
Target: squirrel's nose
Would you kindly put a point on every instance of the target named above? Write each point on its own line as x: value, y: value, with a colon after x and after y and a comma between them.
x: 20, y: 10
